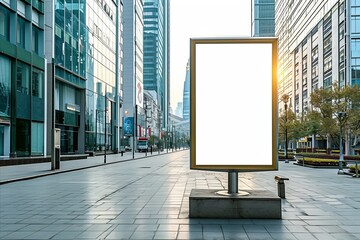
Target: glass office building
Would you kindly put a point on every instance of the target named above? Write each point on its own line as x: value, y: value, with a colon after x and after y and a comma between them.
x: 186, y: 93
x: 133, y: 61
x: 263, y: 18
x: 22, y: 71
x: 155, y: 49
x: 84, y: 56
x: 314, y: 48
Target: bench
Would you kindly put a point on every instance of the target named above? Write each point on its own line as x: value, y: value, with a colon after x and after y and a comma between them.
x: 281, y: 185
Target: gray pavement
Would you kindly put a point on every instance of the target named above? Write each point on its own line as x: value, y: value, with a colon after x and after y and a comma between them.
x: 29, y: 171
x: 147, y: 198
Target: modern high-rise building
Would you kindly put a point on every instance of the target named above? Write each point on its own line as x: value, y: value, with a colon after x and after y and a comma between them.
x: 83, y: 52
x: 318, y: 48
x: 262, y: 18
x: 133, y: 62
x: 156, y: 50
x: 22, y: 74
x: 179, y: 109
x: 186, y: 93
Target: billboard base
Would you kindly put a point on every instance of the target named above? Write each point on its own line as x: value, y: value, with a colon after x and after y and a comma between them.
x: 258, y: 204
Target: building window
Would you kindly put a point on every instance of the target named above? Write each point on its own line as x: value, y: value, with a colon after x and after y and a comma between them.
x: 342, y: 8
x: 37, y: 89
x: 355, y: 75
x: 342, y: 77
x: 315, y: 86
x: 20, y: 32
x: 297, y: 69
x: 23, y: 107
x: 35, y: 39
x: 355, y: 48
x: 342, y: 55
x: 341, y: 31
x: 327, y: 64
x: 304, y: 63
x: 315, y: 71
x: 314, y: 54
x: 22, y: 137
x: 304, y: 100
x: 327, y: 44
x: 5, y: 80
x: 355, y: 24
x: 327, y: 24
x: 314, y: 37
x: 37, y: 138
x: 37, y: 83
x: 4, y: 22
x: 59, y: 45
x: 23, y: 77
x: 304, y: 81
x: 327, y: 82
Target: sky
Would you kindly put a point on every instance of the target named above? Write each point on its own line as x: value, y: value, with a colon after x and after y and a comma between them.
x: 201, y: 18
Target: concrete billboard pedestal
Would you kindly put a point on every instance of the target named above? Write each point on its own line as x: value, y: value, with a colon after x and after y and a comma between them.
x: 259, y: 204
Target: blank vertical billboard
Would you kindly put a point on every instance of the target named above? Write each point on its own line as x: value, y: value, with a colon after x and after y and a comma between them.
x: 233, y: 97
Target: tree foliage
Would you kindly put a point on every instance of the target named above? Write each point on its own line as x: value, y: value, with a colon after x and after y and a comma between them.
x: 324, y: 118
x: 330, y: 102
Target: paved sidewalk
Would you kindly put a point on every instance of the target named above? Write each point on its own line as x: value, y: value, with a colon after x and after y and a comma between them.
x: 28, y: 171
x: 149, y: 199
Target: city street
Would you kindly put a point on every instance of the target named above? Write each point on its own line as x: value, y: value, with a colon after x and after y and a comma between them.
x: 147, y: 198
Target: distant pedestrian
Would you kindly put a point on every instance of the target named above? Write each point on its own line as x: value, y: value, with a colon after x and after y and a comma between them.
x: 151, y: 149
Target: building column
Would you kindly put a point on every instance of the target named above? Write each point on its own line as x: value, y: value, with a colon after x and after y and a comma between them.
x: 81, y: 133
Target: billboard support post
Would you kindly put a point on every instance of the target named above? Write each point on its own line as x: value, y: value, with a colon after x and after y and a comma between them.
x: 233, y: 183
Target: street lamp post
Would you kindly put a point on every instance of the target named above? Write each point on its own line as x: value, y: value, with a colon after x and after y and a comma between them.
x: 285, y: 99
x: 286, y: 133
x: 341, y: 116
x: 105, y: 112
x: 159, y: 137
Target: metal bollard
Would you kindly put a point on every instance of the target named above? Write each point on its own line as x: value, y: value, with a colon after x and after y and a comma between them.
x: 281, y: 185
x: 281, y: 189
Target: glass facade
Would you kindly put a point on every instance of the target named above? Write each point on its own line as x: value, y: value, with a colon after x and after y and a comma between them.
x: 70, y: 35
x: 87, y: 65
x: 22, y: 68
x: 327, y: 51
x: 355, y: 42
x: 342, y: 46
x: 154, y: 48
x: 101, y: 65
x: 263, y: 18
x: 29, y: 110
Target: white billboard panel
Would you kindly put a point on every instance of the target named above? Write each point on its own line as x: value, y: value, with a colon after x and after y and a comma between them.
x: 233, y: 104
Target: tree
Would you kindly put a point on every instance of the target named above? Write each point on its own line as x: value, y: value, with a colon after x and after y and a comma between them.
x: 338, y: 107
x: 297, y: 128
